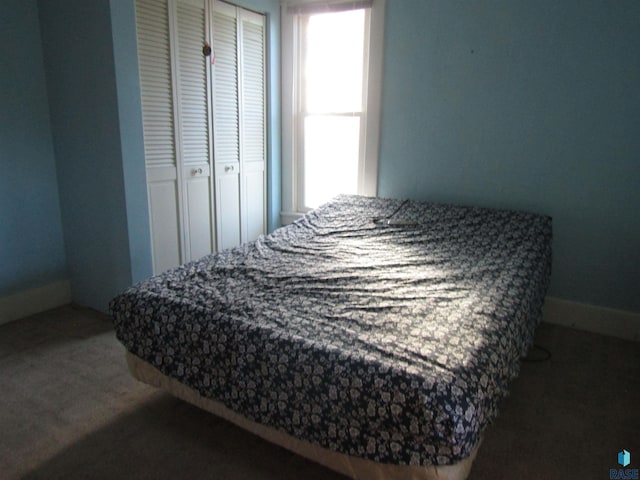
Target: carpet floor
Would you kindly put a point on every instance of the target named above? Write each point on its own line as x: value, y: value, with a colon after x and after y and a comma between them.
x: 69, y: 409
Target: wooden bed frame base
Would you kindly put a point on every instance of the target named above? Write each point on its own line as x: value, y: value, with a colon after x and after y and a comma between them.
x: 353, y: 467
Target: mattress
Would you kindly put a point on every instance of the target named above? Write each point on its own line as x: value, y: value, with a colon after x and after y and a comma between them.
x: 353, y: 467
x: 381, y: 329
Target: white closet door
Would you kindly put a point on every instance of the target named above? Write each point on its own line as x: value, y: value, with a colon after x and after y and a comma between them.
x: 189, y: 109
x: 226, y: 125
x: 174, y: 83
x: 163, y: 186
x: 193, y: 126
x: 252, y: 107
x: 239, y: 124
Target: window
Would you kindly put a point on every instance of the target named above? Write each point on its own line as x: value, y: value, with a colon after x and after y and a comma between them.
x: 331, y: 97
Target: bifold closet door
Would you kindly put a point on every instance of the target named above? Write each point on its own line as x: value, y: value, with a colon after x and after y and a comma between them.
x: 174, y: 83
x: 194, y: 127
x: 226, y: 125
x: 252, y: 125
x: 204, y: 126
x: 239, y: 124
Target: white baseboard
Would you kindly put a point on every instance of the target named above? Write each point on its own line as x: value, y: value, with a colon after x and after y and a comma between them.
x: 592, y: 318
x: 36, y: 300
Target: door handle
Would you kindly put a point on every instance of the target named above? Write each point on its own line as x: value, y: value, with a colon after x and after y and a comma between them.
x: 196, y: 171
x: 228, y: 168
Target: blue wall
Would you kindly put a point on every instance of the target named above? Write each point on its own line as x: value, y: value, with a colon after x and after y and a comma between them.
x: 516, y: 104
x: 526, y: 105
x: 79, y: 64
x: 123, y: 33
x: 31, y: 239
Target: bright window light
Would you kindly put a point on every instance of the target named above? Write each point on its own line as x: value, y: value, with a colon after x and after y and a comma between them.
x: 334, y: 56
x: 332, y: 91
x: 331, y: 151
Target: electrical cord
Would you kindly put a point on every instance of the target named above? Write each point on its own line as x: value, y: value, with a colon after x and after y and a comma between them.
x: 386, y: 221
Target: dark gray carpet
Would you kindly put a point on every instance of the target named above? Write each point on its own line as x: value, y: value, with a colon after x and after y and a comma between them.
x: 69, y: 409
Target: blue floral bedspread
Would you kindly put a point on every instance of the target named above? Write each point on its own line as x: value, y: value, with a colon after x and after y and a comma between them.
x: 389, y: 342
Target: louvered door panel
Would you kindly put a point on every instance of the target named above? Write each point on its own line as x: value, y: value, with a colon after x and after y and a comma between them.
x: 192, y: 83
x: 226, y: 126
x: 194, y: 125
x: 163, y: 187
x: 225, y: 81
x: 252, y: 118
x: 154, y: 58
x: 253, y: 75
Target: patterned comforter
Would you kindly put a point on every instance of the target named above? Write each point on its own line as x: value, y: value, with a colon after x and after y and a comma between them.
x: 391, y: 342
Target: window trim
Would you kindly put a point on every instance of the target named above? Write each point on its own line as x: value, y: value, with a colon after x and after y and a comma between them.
x: 368, y: 166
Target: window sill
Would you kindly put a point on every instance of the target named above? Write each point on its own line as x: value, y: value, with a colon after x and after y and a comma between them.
x: 289, y: 217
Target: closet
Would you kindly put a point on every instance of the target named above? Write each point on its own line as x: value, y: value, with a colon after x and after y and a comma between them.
x: 202, y: 82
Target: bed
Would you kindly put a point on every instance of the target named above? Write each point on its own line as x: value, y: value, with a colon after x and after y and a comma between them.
x: 374, y: 336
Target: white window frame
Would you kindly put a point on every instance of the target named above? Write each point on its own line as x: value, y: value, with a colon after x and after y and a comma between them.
x: 292, y: 181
